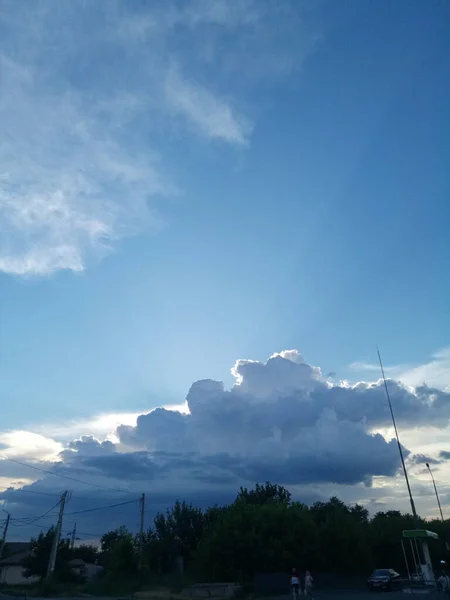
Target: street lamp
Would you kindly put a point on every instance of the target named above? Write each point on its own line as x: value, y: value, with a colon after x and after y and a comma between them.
x: 447, y: 545
x: 435, y: 491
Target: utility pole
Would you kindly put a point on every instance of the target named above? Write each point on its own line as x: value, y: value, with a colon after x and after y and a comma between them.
x: 141, y: 532
x: 74, y: 533
x: 5, y: 531
x: 54, y: 551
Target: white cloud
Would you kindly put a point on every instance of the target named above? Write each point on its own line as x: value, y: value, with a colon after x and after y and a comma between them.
x: 26, y: 444
x: 101, y: 426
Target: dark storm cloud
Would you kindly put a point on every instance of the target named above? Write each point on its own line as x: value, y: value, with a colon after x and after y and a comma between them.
x: 444, y: 454
x: 124, y: 466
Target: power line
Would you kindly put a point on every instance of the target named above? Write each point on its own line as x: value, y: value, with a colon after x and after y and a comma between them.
x: 42, y: 526
x: 93, y: 535
x: 4, y: 487
x: 76, y: 497
x: 24, y: 522
x: 18, y: 462
x: 79, y: 512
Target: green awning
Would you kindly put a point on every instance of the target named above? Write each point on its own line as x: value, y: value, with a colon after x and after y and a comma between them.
x: 420, y: 533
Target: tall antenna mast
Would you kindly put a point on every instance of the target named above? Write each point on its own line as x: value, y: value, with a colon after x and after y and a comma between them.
x: 405, y: 472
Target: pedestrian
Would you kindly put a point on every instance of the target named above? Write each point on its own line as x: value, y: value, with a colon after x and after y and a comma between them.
x: 295, y: 583
x: 308, y: 585
x: 444, y: 583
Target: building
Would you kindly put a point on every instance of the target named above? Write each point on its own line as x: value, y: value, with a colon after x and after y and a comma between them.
x: 86, y: 571
x: 11, y: 567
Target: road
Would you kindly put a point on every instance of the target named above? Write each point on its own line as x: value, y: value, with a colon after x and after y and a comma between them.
x: 318, y: 595
x: 356, y: 594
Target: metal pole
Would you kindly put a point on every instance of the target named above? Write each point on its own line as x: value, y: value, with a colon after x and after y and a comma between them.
x: 74, y: 533
x: 416, y: 564
x: 54, y: 551
x: 406, y: 560
x: 141, y: 532
x: 436, y: 492
x: 405, y: 472
x: 447, y: 545
x: 5, y: 531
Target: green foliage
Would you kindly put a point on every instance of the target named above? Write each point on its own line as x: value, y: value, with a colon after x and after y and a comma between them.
x: 257, y: 537
x: 264, y: 531
x: 119, y: 555
x: 86, y: 552
x: 176, y: 533
x: 37, y: 562
x: 264, y: 494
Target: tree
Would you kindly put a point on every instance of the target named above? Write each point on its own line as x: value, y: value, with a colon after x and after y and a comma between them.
x: 359, y: 513
x: 252, y: 537
x: 385, y: 531
x: 119, y: 552
x: 262, y: 530
x: 110, y: 539
x: 264, y: 494
x: 36, y: 563
x: 86, y: 552
x: 177, y: 533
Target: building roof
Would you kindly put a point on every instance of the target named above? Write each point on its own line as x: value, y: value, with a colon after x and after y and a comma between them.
x: 76, y: 562
x: 15, y: 559
x: 15, y: 553
x: 15, y: 547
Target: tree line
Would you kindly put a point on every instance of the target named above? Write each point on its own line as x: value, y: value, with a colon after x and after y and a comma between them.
x: 262, y: 531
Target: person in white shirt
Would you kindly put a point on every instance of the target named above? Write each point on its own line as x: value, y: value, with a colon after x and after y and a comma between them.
x: 444, y: 583
x: 308, y: 585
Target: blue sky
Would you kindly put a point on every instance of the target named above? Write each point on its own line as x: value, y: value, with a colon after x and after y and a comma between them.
x: 325, y: 230
x: 186, y: 184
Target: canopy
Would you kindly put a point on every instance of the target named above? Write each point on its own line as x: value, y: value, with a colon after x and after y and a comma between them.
x: 420, y: 533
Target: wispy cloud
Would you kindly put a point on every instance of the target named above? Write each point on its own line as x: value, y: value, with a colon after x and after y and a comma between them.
x: 87, y: 92
x: 209, y: 114
x: 435, y: 372
x: 68, y: 187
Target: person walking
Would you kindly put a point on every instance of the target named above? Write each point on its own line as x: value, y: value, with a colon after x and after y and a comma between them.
x: 295, y: 583
x: 444, y: 583
x: 308, y: 585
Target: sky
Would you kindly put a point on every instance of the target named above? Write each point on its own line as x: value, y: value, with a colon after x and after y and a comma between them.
x: 211, y: 213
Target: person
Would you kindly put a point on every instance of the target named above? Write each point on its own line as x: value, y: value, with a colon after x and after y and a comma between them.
x: 308, y: 585
x: 444, y: 582
x: 295, y: 583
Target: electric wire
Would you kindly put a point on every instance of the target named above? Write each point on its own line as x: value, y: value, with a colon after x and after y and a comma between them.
x: 98, y: 485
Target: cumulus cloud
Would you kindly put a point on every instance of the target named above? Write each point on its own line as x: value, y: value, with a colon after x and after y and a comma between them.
x: 280, y: 421
x: 87, y: 445
x: 89, y: 92
x: 282, y: 417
